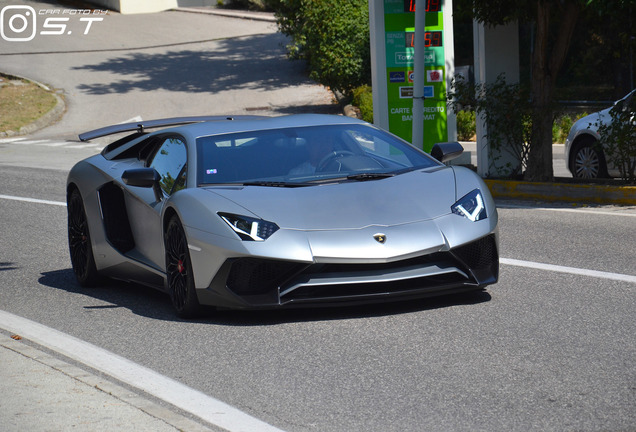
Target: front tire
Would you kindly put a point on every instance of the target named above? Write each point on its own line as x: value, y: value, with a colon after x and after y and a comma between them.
x: 588, y: 161
x: 79, y: 242
x: 179, y: 271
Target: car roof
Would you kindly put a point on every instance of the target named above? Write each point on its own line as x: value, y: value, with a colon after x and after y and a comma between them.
x: 202, y: 129
x: 196, y: 127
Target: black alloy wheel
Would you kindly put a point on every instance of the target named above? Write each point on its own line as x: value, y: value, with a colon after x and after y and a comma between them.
x: 179, y: 271
x: 79, y: 242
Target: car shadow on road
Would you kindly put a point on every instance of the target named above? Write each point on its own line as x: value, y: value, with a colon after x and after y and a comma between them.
x: 139, y: 299
x: 150, y: 303
x: 285, y: 316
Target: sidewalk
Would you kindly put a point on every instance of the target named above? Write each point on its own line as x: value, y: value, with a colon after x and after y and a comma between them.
x: 40, y: 392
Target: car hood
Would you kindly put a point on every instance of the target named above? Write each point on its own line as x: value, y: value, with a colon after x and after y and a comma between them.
x: 405, y: 198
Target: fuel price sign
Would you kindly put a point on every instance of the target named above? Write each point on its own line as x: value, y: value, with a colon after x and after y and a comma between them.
x: 393, y: 33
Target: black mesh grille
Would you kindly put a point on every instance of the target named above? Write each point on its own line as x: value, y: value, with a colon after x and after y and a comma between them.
x: 480, y: 254
x: 256, y: 276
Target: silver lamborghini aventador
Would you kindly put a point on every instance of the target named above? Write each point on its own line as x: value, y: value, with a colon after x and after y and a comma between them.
x: 268, y: 212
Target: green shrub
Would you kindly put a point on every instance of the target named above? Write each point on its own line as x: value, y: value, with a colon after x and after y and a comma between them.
x: 255, y: 5
x: 363, y: 99
x: 465, y: 125
x: 561, y: 127
x: 507, y: 112
x: 618, y: 138
x: 332, y: 36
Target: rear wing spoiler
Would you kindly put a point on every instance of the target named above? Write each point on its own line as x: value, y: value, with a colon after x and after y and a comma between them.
x: 140, y: 126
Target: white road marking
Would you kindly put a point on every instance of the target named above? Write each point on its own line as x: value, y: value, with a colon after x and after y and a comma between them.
x: 30, y: 142
x: 188, y: 399
x: 571, y: 270
x: 52, y: 143
x: 82, y: 146
x: 566, y: 210
x: 56, y: 144
x: 132, y: 120
x: 33, y: 200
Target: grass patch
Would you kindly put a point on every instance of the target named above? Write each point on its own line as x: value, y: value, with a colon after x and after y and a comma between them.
x: 21, y: 103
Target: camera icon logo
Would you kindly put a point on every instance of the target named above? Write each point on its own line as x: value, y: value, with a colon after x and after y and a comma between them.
x: 17, y: 23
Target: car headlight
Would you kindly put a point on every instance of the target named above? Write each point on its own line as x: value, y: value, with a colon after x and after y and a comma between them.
x: 471, y: 206
x: 248, y: 228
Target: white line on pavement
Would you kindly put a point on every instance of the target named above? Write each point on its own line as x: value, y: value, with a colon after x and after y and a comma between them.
x: 29, y: 142
x: 33, y: 200
x: 82, y: 146
x: 56, y: 144
x: 193, y: 401
x: 567, y: 210
x: 571, y: 270
x: 132, y: 120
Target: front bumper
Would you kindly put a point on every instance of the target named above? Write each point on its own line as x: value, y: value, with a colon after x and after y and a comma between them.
x: 255, y: 283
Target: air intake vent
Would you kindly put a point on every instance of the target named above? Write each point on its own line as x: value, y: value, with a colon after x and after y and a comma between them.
x: 479, y: 254
x: 250, y: 276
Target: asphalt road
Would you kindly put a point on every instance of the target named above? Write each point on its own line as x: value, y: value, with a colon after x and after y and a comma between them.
x: 158, y: 65
x: 541, y: 350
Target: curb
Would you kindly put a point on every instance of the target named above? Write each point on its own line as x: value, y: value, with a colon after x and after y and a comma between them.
x: 50, y: 117
x: 256, y: 16
x: 117, y: 392
x: 561, y: 192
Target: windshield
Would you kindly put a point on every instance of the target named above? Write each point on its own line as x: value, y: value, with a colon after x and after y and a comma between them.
x: 305, y: 155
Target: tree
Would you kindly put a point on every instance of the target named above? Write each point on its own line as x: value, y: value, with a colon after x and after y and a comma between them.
x: 332, y: 36
x: 602, y: 51
x: 555, y: 23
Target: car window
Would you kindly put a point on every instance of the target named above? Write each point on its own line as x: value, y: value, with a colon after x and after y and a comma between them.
x: 298, y: 155
x: 170, y: 162
x: 379, y: 147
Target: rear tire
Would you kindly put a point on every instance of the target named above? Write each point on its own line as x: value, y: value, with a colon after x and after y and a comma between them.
x: 79, y: 242
x: 179, y: 271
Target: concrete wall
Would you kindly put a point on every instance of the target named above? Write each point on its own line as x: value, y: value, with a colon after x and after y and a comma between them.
x: 496, y: 51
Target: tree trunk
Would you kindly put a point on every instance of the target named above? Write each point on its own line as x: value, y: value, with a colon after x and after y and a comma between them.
x: 545, y: 69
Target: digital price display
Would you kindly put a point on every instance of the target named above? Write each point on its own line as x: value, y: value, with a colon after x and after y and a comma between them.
x: 431, y: 39
x: 431, y: 5
x: 397, y: 73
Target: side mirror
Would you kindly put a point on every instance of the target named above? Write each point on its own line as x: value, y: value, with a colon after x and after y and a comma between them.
x: 143, y: 177
x: 444, y: 152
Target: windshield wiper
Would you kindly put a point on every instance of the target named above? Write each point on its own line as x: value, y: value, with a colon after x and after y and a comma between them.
x: 369, y: 176
x: 273, y: 184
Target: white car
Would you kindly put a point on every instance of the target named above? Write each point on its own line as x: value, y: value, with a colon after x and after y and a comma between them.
x: 585, y: 159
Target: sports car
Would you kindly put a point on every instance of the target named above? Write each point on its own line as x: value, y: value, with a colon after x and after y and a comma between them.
x: 272, y: 212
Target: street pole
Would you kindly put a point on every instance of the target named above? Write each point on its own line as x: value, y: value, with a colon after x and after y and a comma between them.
x: 419, y: 45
